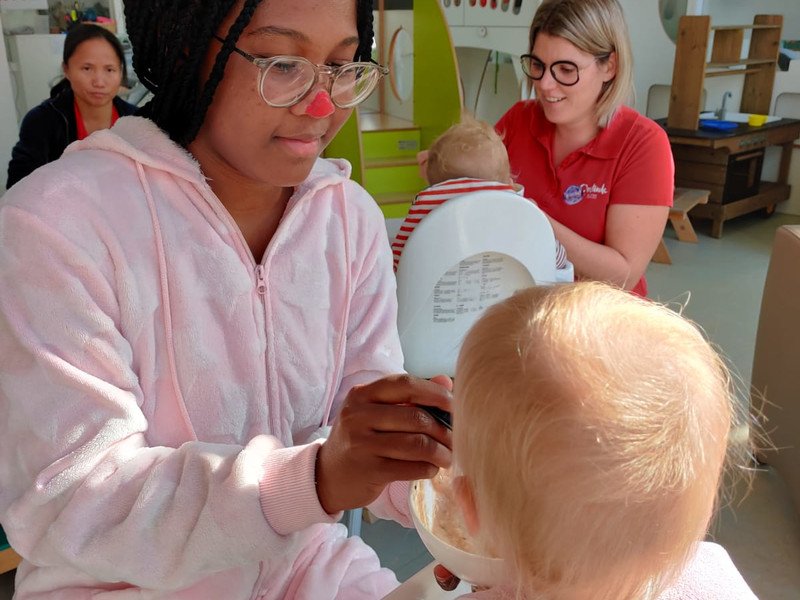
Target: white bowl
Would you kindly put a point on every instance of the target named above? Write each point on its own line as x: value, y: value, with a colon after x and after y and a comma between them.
x: 472, y: 568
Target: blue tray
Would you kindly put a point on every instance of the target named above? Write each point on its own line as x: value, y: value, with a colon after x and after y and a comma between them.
x: 716, y: 125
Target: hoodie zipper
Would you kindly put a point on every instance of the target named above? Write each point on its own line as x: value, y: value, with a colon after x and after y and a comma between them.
x: 261, y: 282
x: 261, y: 288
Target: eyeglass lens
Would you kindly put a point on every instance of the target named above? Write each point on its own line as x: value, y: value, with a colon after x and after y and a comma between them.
x: 286, y: 81
x: 564, y: 72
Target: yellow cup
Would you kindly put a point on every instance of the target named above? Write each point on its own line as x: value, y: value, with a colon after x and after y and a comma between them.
x: 756, y: 120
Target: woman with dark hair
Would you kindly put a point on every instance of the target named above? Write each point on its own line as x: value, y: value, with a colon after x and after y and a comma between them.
x: 198, y: 327
x: 83, y: 102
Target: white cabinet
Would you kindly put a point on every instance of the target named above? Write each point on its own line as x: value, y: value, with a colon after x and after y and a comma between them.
x: 23, y: 4
x: 8, y: 113
x: 490, y: 24
x: 37, y: 64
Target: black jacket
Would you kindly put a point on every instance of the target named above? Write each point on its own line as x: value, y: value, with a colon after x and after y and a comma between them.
x: 46, y: 131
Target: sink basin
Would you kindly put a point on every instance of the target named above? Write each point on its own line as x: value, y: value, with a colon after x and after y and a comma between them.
x: 736, y: 117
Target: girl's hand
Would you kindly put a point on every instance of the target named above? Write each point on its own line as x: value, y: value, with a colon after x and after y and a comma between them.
x: 380, y: 436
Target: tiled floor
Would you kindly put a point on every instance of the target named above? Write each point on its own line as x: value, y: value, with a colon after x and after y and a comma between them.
x: 725, y: 277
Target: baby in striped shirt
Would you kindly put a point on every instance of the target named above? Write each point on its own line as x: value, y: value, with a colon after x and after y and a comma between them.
x: 468, y: 157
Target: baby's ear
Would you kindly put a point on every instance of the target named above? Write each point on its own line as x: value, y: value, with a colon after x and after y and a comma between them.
x: 465, y: 498
x: 422, y: 163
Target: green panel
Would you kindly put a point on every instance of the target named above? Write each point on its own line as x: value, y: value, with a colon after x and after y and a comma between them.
x: 347, y: 144
x: 387, y: 180
x: 437, y: 93
x: 391, y: 144
x: 395, y: 211
x: 3, y: 540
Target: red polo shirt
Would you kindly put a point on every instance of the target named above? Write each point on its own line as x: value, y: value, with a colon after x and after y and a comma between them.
x: 628, y: 162
x: 80, y: 126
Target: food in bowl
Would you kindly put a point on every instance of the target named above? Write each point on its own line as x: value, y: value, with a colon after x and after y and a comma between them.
x: 438, y: 521
x: 447, y: 522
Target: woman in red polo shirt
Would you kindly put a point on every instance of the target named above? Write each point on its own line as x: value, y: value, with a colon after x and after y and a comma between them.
x: 602, y: 172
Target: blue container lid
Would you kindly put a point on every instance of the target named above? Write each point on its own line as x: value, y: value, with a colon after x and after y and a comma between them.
x: 717, y: 125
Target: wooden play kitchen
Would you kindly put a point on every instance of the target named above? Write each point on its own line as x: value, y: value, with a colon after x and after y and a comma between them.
x: 727, y: 162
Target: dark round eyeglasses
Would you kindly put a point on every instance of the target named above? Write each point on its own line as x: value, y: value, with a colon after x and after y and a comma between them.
x: 564, y: 72
x: 283, y: 81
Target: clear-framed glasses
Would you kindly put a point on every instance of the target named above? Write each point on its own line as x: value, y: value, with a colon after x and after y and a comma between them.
x: 284, y: 81
x: 564, y: 72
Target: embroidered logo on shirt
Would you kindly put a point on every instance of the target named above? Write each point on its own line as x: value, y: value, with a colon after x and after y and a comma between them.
x: 573, y: 194
x: 576, y: 193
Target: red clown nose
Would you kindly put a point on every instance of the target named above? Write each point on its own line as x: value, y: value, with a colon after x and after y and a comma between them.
x: 321, y: 106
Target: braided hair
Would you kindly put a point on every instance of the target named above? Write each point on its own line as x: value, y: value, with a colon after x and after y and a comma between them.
x: 170, y: 39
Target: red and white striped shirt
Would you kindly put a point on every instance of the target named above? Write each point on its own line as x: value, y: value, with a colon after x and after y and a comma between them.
x: 437, y: 194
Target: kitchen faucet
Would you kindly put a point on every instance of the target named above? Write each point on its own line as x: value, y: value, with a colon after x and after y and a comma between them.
x: 722, y: 113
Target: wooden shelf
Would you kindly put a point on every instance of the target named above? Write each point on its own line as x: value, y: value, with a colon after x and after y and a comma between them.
x: 375, y: 121
x: 695, y: 35
x: 382, y: 163
x: 730, y: 72
x: 737, y: 27
x: 737, y: 63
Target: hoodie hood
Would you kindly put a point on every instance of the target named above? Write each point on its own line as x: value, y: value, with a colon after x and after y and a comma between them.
x: 141, y: 140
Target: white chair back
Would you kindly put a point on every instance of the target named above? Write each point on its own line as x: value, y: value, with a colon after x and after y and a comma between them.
x: 467, y: 254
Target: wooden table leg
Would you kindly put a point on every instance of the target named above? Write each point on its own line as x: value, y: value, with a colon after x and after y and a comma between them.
x: 661, y: 255
x: 716, y: 227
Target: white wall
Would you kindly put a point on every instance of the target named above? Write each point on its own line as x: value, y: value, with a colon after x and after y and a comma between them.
x: 737, y: 12
x: 653, y: 51
x: 490, y: 98
x: 8, y: 113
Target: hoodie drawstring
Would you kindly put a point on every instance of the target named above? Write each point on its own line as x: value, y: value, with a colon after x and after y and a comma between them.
x: 164, y: 284
x: 339, y: 358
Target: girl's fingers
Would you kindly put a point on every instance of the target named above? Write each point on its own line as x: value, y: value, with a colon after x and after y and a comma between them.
x: 444, y: 381
x: 403, y: 389
x: 403, y: 470
x: 405, y: 418
x: 416, y: 447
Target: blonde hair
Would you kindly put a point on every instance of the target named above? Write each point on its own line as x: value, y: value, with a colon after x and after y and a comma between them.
x: 471, y: 148
x: 592, y: 426
x: 597, y: 27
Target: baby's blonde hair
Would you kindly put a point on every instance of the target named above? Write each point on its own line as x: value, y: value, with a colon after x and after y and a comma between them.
x: 592, y: 426
x: 471, y: 148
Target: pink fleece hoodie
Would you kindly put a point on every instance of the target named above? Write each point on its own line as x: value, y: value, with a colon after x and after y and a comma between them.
x: 159, y: 387
x: 709, y: 575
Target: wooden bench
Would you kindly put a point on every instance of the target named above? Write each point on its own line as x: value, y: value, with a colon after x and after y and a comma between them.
x: 684, y: 200
x: 8, y: 558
